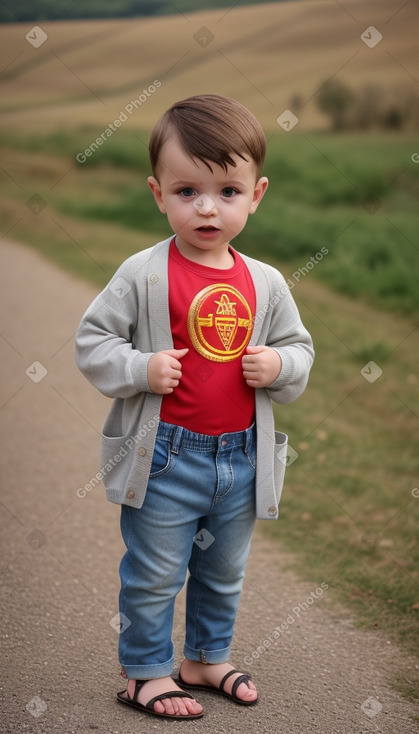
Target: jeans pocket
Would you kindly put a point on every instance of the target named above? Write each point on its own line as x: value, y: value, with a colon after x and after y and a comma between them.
x: 281, y: 446
x: 250, y: 453
x: 162, y: 458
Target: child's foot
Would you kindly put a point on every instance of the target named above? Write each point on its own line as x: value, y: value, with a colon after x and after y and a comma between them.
x: 177, y: 706
x: 197, y: 674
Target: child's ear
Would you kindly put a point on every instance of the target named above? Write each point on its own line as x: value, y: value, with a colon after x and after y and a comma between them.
x: 156, y: 190
x: 260, y: 188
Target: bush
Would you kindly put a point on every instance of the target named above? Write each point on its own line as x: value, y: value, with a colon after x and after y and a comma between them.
x: 370, y: 108
x: 335, y: 99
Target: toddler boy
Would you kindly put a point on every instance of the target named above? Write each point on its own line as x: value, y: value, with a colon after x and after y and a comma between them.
x: 192, y: 341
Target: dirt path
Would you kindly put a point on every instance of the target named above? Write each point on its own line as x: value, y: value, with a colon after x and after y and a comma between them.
x: 315, y: 671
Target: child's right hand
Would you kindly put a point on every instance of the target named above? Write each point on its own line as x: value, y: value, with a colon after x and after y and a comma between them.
x: 164, y: 370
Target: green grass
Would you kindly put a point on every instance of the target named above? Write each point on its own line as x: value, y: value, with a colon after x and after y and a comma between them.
x: 347, y: 512
x: 356, y: 196
x: 407, y: 686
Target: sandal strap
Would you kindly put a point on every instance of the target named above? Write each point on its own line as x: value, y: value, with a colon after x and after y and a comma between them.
x: 138, y: 685
x: 227, y: 675
x: 169, y: 694
x: 241, y: 679
x: 244, y: 678
x: 150, y: 705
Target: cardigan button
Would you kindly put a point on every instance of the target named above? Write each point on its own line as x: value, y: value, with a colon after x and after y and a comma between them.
x: 130, y: 494
x: 272, y: 510
x: 154, y: 278
x: 142, y: 451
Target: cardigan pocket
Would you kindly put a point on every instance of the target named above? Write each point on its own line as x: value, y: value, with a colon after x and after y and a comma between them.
x: 119, y: 446
x: 281, y: 446
x: 116, y: 460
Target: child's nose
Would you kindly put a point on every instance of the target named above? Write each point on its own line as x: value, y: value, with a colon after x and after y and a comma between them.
x: 204, y: 204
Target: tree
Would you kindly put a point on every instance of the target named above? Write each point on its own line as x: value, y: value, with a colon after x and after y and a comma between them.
x: 335, y: 99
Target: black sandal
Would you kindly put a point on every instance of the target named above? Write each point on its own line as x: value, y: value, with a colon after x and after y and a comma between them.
x: 149, y: 707
x: 244, y: 678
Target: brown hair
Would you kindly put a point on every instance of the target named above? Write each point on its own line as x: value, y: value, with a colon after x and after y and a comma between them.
x: 211, y: 127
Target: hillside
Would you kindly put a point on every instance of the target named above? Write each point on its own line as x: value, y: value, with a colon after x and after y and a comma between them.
x: 25, y: 10
x: 87, y: 72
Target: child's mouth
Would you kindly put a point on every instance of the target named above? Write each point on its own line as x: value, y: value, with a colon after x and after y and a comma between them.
x: 207, y: 232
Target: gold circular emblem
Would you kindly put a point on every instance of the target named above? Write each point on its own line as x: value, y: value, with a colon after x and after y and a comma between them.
x: 220, y: 323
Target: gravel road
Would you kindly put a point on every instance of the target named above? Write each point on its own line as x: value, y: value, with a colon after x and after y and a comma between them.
x: 316, y: 672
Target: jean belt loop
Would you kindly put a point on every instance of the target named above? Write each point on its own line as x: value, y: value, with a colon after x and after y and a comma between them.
x: 176, y: 440
x: 250, y: 434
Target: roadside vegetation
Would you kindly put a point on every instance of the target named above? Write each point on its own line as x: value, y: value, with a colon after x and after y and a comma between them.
x: 357, y: 196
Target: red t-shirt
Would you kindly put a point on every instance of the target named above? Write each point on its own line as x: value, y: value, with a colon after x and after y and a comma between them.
x: 211, y: 312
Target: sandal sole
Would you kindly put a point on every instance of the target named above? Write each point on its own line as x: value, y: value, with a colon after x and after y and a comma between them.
x: 212, y: 689
x: 140, y: 707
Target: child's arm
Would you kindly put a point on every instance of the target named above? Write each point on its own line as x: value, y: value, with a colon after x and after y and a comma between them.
x: 104, y: 341
x: 282, y: 361
x: 104, y: 351
x: 106, y: 356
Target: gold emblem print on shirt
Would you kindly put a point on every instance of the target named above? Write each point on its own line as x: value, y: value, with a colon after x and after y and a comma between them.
x: 220, y: 323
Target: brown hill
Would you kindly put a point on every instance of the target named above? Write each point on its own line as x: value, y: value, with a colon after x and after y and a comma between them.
x: 87, y: 72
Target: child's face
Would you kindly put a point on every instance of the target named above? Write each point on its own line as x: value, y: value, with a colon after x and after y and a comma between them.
x: 204, y: 209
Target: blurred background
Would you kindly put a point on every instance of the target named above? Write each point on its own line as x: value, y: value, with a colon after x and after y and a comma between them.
x: 336, y: 87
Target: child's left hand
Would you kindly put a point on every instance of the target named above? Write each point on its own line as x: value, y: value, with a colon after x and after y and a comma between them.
x: 261, y: 366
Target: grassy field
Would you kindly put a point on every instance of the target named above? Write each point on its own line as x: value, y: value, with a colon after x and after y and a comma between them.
x: 358, y: 200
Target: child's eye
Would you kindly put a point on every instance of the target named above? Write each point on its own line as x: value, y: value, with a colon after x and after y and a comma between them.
x: 228, y: 192
x: 187, y: 192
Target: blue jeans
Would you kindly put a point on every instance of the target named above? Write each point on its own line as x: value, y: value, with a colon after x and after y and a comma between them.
x: 198, y: 514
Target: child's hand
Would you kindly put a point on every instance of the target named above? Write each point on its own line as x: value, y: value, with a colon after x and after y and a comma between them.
x: 164, y: 370
x: 261, y: 366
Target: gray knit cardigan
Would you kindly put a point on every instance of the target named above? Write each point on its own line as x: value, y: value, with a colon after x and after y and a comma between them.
x: 129, y: 321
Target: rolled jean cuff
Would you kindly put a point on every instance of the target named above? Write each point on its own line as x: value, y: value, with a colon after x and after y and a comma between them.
x: 212, y: 657
x: 144, y: 672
